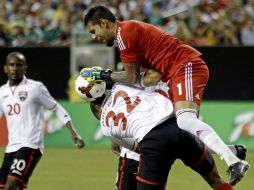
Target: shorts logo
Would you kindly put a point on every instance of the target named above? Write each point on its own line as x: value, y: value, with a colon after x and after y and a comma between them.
x: 16, y: 172
x: 197, y: 96
x: 23, y: 95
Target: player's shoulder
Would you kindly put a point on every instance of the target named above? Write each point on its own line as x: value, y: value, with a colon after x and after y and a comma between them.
x: 3, y: 86
x: 33, y: 82
x: 126, y: 90
x: 131, y: 24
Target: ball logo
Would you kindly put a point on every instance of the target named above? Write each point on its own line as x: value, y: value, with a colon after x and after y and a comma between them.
x: 86, y: 90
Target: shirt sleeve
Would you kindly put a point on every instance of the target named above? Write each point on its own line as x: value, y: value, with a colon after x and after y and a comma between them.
x: 128, y: 43
x: 46, y: 99
x: 62, y: 114
x: 1, y: 110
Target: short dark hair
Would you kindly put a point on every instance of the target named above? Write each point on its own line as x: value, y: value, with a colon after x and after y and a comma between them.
x: 98, y: 12
x: 17, y: 55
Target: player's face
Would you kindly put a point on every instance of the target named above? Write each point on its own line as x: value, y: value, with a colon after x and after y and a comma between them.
x: 101, y: 33
x: 15, y: 69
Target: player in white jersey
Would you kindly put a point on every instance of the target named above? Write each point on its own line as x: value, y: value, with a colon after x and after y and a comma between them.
x: 129, y: 160
x: 22, y: 102
x: 141, y: 121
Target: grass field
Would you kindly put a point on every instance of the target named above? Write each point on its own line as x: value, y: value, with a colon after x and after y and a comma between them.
x: 95, y: 169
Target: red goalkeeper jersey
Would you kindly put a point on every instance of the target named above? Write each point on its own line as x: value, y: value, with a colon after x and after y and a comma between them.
x: 152, y: 47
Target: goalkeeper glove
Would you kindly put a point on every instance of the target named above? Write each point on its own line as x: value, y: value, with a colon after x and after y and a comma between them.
x: 91, y: 74
x: 96, y: 74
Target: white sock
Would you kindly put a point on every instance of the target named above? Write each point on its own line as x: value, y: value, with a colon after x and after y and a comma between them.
x: 187, y: 120
x: 231, y: 147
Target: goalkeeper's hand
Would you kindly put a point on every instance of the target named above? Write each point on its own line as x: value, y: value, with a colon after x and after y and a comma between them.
x: 91, y: 74
x: 96, y: 74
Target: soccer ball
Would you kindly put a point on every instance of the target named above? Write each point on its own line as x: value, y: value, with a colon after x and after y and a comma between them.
x: 89, y: 91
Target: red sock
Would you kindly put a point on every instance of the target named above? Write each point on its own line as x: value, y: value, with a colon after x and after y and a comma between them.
x: 225, y: 186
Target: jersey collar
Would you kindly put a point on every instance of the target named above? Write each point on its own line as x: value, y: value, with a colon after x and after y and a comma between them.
x: 24, y: 80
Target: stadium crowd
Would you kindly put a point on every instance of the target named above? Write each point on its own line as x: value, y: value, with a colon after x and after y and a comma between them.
x: 196, y: 22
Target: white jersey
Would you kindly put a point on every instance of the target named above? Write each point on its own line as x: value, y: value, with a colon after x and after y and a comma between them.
x: 130, y: 113
x: 161, y: 88
x: 23, y: 108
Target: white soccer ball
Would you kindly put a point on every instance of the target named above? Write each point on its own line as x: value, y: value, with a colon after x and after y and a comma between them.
x: 89, y: 91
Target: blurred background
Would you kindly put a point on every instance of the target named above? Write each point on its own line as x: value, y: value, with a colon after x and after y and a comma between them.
x: 50, y: 33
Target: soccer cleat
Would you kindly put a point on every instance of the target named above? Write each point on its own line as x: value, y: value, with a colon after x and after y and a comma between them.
x: 241, y: 151
x: 237, y: 171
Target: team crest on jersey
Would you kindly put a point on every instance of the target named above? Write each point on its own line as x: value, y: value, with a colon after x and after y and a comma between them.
x: 23, y: 95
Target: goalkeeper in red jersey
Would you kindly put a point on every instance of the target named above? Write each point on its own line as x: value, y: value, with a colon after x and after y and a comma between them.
x: 142, y: 44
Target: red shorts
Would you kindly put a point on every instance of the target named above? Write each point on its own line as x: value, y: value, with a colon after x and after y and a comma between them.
x: 189, y: 82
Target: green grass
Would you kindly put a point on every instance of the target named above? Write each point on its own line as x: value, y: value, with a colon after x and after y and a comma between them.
x: 95, y: 169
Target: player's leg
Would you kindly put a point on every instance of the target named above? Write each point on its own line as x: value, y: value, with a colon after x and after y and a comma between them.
x: 195, y: 155
x: 5, y: 168
x: 13, y: 184
x: 145, y: 186
x: 216, y: 181
x: 187, y: 118
x: 158, y: 153
x: 238, y: 149
x: 126, y: 176
x: 23, y: 164
x: 187, y: 91
x: 152, y: 174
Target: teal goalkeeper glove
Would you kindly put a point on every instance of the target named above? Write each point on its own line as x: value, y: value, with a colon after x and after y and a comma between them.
x: 92, y: 74
x: 96, y: 74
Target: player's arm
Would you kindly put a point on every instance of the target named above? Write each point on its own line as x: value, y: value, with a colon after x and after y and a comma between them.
x: 128, y: 143
x: 78, y: 141
x: 132, y: 74
x: 50, y: 103
x: 63, y: 115
x: 147, y: 77
x: 116, y: 149
x: 150, y: 77
x: 129, y: 75
x: 142, y: 76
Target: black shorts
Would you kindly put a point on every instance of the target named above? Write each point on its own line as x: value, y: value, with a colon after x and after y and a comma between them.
x: 126, y: 176
x: 166, y: 143
x: 19, y: 165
